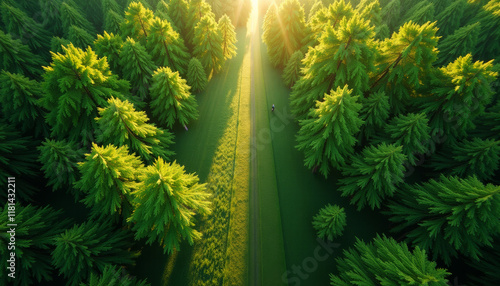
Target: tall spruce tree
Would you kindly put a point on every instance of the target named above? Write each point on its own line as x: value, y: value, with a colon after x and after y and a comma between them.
x: 197, y: 9
x: 19, y: 103
x: 90, y: 247
x: 196, y: 76
x: 49, y: 10
x: 110, y: 45
x: 79, y: 37
x: 72, y: 16
x: 448, y: 216
x: 171, y: 100
x: 167, y: 47
x: 292, y: 71
x: 57, y: 43
x: 165, y: 205
x: 112, y: 22
x: 270, y: 25
x: 329, y: 222
x: 34, y: 234
x: 488, y: 46
x: 345, y: 55
x: 76, y: 83
x: 178, y: 13
x: 391, y: 13
x: 137, y: 67
x: 469, y: 157
x: 373, y: 175
x: 137, y: 22
x: 228, y: 37
x: 448, y: 20
x: 459, y: 44
x: 108, y: 177
x: 208, y: 47
x: 386, y: 262
x: 18, y: 58
x: 327, y: 137
x: 374, y: 113
x: 121, y: 125
x: 420, y: 13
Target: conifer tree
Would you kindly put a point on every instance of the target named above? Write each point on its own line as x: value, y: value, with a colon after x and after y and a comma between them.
x: 49, y: 10
x: 121, y: 125
x: 228, y: 37
x: 178, y: 12
x: 162, y: 13
x: 166, y: 202
x: 373, y: 175
x: 391, y: 13
x: 57, y: 43
x: 314, y: 28
x: 406, y: 62
x: 145, y: 3
x: 59, y: 163
x: 371, y: 11
x: 72, y: 16
x: 345, y: 55
x: 462, y: 42
x: 421, y: 13
x: 137, y: 22
x: 218, y: 7
x: 209, y: 45
x: 374, y: 113
x: 470, y: 157
x: 412, y: 132
x: 110, y: 5
x: 19, y: 102
x: 488, y: 123
x: 270, y: 25
x: 196, y: 76
x: 18, y: 58
x: 137, y: 67
x: 317, y: 6
x: 449, y: 19
x: 171, y: 100
x: 90, y: 247
x: 330, y: 222
x: 76, y: 83
x: 386, y: 262
x: 110, y: 45
x: 112, y: 22
x: 449, y: 216
x: 197, y: 9
x: 293, y: 69
x: 167, y: 47
x: 327, y: 136
x: 462, y: 92
x: 79, y: 37
x: 114, y: 276
x: 35, y: 230
x: 488, y: 46
x: 108, y: 176
x: 21, y: 26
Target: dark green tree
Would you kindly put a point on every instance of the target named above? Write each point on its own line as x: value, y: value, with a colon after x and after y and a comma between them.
x: 371, y: 11
x: 327, y: 137
x: 76, y: 83
x: 79, y: 37
x: 110, y: 46
x: 49, y: 10
x: 459, y: 44
x: 112, y: 22
x: 165, y: 205
x: 228, y: 37
x: 197, y: 9
x: 167, y: 47
x: 374, y: 113
x: 292, y: 71
x: 137, y: 22
x: 110, y: 5
x: 196, y: 76
x: 270, y: 25
x: 121, y: 125
x: 178, y: 12
x: 171, y: 100
x: 18, y: 58
x: 114, y: 276
x: 72, y: 16
x: 488, y: 123
x: 421, y: 13
x: 137, y: 67
x: 373, y: 175
x: 488, y: 46
x: 34, y: 234
x: 448, y: 20
x: 386, y: 262
x: 19, y: 102
x: 208, y: 47
x: 317, y: 6
x: 57, y: 43
x: 90, y: 247
x: 448, y: 216
x: 391, y: 14
x: 330, y: 222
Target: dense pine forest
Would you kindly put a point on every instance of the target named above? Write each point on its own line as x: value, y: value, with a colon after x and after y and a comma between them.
x: 395, y: 107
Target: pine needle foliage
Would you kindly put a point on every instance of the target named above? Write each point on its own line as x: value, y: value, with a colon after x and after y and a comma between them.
x: 459, y: 44
x: 412, y: 132
x: 59, y: 161
x: 448, y: 20
x: 108, y: 176
x: 270, y: 25
x: 228, y: 34
x: 178, y: 13
x: 488, y: 46
x: 112, y: 22
x: 35, y: 231
x: 391, y: 13
x: 121, y: 125
x: 461, y: 93
x: 114, y: 276
x: 76, y: 83
x: 167, y: 47
x: 327, y: 137
x: 208, y: 48
x: 449, y: 216
x: 373, y: 175
x: 469, y: 157
x: 79, y: 37
x: 49, y: 10
x: 72, y: 16
x: 421, y: 13
x: 165, y: 205
x: 197, y: 9
x: 292, y: 71
x: 330, y: 222
x: 316, y: 7
x: 18, y: 58
x: 19, y: 102
x: 344, y: 55
x: 387, y: 262
x: 137, y: 67
x: 110, y: 5
x: 488, y: 124
x: 196, y: 76
x: 90, y: 247
x: 374, y: 113
x: 171, y: 100
x: 137, y: 22
x: 56, y: 44
x: 110, y: 45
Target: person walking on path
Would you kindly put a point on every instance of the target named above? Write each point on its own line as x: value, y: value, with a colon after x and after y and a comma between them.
x: 272, y: 108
